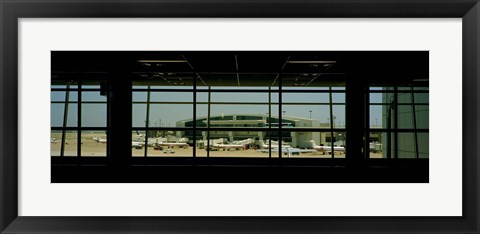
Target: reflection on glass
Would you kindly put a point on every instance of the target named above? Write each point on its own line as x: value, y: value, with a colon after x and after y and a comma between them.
x: 381, y: 97
x: 380, y: 116
x: 406, y: 145
x: 417, y: 98
x: 94, y: 143
x: 422, y: 116
x: 405, y: 117
x: 423, y: 145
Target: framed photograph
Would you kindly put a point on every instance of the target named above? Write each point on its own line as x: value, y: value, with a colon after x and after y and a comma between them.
x: 227, y: 116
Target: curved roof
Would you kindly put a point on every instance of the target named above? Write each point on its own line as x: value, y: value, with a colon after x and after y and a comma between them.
x: 290, y: 118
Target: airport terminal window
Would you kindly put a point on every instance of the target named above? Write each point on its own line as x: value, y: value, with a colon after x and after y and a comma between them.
x: 189, y: 106
x: 78, y: 119
x: 269, y: 116
x: 399, y: 122
x: 237, y: 121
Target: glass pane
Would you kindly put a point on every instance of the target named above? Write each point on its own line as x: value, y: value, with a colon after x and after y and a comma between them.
x: 305, y: 98
x: 171, y: 97
x: 237, y: 144
x: 55, y: 142
x: 59, y: 96
x: 306, y: 115
x: 70, y: 143
x: 314, y: 144
x: 56, y: 114
x: 338, y: 97
x: 72, y: 119
x: 137, y: 86
x: 338, y: 116
x: 139, y: 116
x: 202, y: 97
x: 423, y: 145
x: 379, y: 145
x: 421, y: 97
x: 138, y: 143
x: 93, y: 96
x: 404, y: 97
x: 94, y: 143
x: 94, y: 115
x: 171, y: 115
x: 422, y: 116
x: 377, y: 140
x: 139, y: 96
x: 379, y: 116
x: 406, y: 145
x: 405, y: 117
x: 90, y: 86
x: 240, y: 97
x: 381, y: 97
x: 287, y: 87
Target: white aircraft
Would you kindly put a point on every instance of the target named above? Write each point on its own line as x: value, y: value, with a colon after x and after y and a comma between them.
x: 53, y: 140
x: 262, y: 145
x: 325, y: 149
x: 174, y: 144
x: 229, y: 146
x: 100, y: 140
x: 289, y: 151
x: 137, y: 144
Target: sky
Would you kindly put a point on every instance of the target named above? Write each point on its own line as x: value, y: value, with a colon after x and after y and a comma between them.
x: 166, y: 115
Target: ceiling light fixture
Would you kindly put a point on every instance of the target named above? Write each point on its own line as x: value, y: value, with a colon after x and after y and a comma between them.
x: 312, y: 62
x: 162, y: 61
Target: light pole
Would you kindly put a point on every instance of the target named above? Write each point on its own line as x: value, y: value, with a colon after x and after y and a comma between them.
x: 284, y: 112
x: 310, y: 114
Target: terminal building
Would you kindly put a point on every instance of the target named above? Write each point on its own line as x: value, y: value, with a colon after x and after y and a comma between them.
x: 293, y: 138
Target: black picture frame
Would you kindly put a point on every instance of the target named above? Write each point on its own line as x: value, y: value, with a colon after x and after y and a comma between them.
x: 11, y: 11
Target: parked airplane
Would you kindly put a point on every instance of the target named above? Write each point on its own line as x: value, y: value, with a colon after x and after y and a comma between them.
x: 289, y: 151
x: 137, y: 144
x: 325, y: 149
x: 100, y: 140
x: 274, y: 145
x: 228, y: 146
x: 174, y: 144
